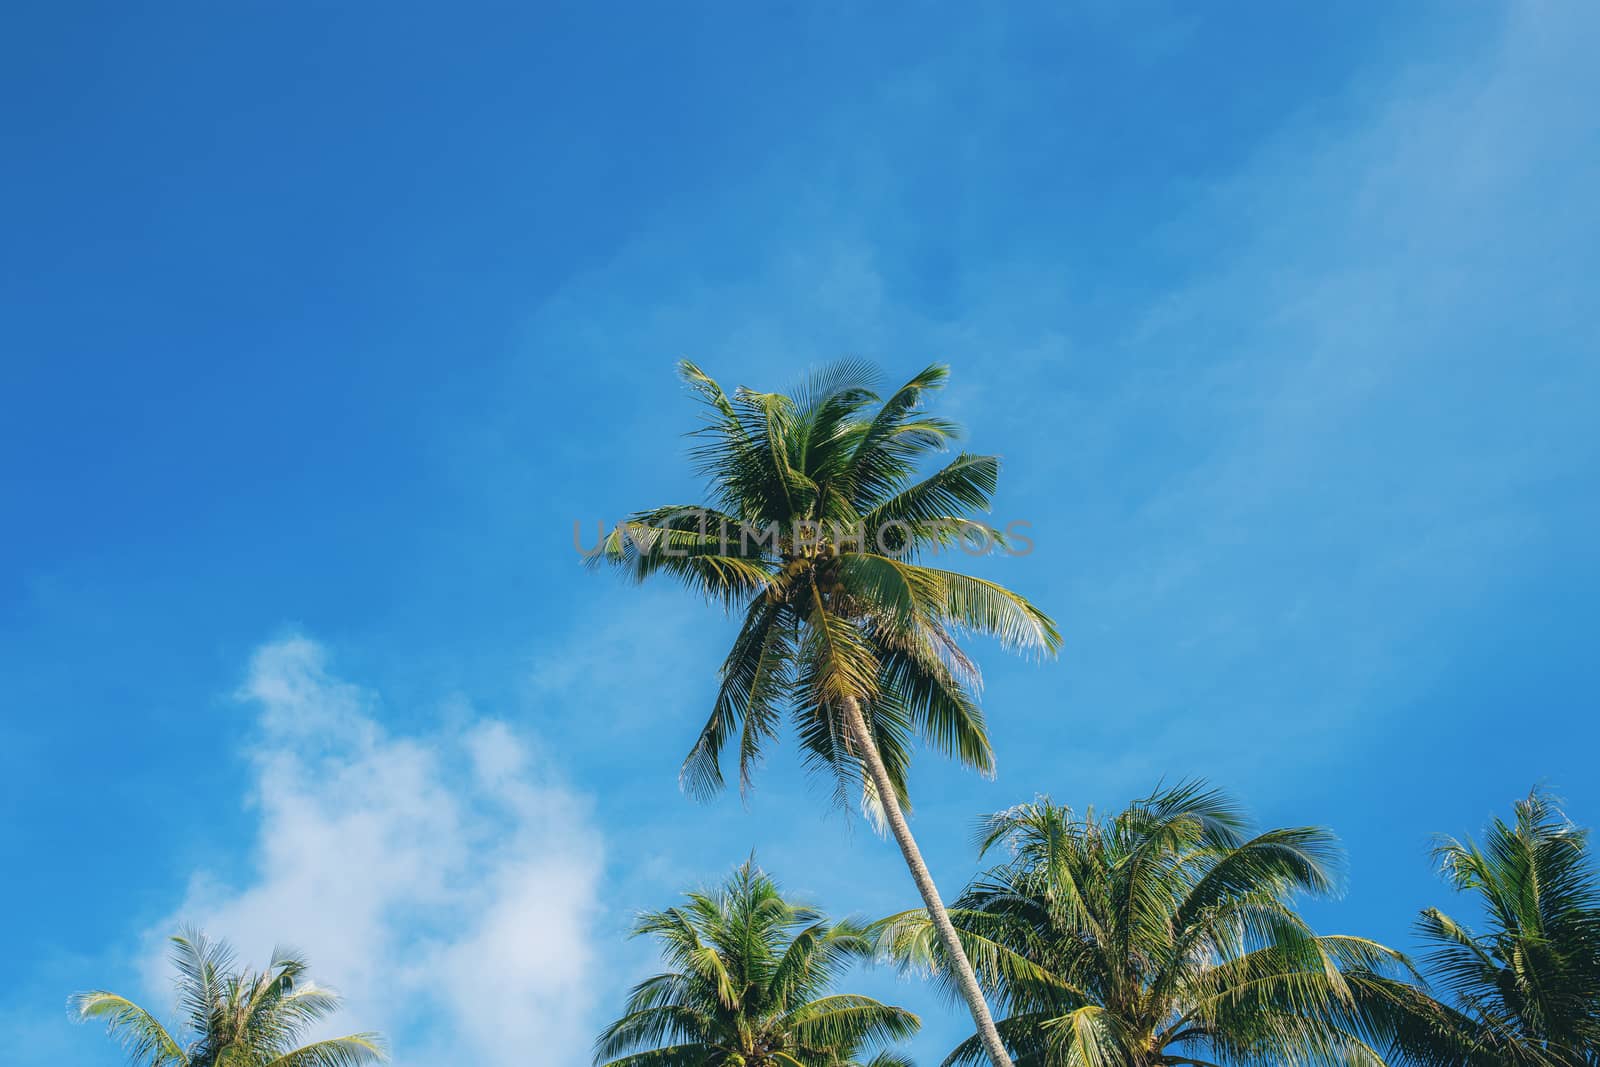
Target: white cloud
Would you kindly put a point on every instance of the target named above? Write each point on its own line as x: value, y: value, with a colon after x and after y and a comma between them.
x: 445, y: 884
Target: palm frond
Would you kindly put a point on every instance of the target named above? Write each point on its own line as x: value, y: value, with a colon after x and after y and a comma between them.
x: 756, y: 680
x: 849, y: 1021
x: 202, y: 967
x: 838, y: 661
x: 886, y: 1059
x: 143, y: 1039
x: 711, y: 556
x: 816, y: 957
x: 352, y: 1050
x: 966, y: 483
x: 690, y: 1055
x: 988, y: 608
x: 896, y: 438
x: 939, y: 706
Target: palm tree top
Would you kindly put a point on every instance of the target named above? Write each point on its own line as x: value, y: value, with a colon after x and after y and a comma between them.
x: 231, y: 1018
x: 747, y: 985
x: 817, y: 525
x: 1524, y: 988
x: 1161, y: 934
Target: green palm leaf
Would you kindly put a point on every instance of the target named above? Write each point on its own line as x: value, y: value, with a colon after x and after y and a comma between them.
x: 351, y: 1051
x: 143, y: 1039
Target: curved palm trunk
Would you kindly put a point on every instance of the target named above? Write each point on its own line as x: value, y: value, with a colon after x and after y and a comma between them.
x: 967, y: 979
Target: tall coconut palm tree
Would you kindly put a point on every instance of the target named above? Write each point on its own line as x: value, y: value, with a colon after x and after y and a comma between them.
x: 231, y: 1018
x: 1525, y: 992
x: 815, y: 532
x: 748, y: 988
x: 1164, y: 934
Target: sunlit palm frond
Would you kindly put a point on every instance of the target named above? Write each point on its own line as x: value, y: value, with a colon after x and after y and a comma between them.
x: 143, y: 1039
x: 988, y: 608
x: 353, y: 1050
x: 848, y: 1021
x: 203, y: 968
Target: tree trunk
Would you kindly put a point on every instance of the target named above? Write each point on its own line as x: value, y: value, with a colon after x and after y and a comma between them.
x: 967, y: 979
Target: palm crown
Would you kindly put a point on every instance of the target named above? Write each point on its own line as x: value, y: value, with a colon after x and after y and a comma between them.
x: 748, y: 988
x: 1164, y: 934
x: 231, y: 1018
x: 815, y: 527
x: 1526, y: 990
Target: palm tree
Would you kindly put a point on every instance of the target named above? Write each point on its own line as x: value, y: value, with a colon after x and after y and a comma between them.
x: 1526, y: 991
x: 748, y: 988
x: 1164, y: 934
x: 231, y: 1018
x: 814, y: 532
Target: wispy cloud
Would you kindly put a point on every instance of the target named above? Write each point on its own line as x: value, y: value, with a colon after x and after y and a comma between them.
x: 448, y: 878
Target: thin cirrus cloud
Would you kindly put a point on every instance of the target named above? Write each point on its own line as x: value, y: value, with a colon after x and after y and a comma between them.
x: 446, y: 878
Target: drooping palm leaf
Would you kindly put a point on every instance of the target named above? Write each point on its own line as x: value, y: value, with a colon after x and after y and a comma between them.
x: 142, y: 1037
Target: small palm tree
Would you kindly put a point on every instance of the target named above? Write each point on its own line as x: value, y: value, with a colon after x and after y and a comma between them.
x: 231, y: 1018
x: 748, y: 988
x: 814, y: 532
x: 1164, y: 934
x: 1526, y: 991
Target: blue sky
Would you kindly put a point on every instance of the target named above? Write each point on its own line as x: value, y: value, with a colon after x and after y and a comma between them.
x: 320, y: 327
